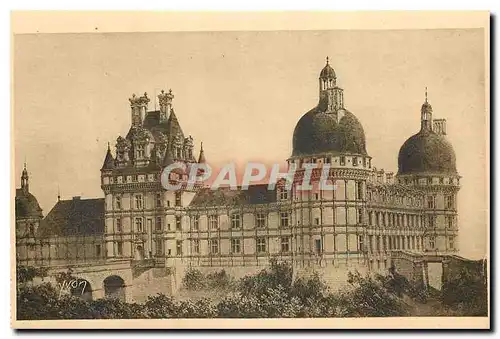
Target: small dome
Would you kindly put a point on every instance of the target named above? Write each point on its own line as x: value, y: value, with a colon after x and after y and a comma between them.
x: 27, y: 205
x: 318, y: 132
x: 427, y: 153
x: 327, y: 72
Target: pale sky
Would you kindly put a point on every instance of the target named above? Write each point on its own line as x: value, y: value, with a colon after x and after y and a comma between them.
x: 242, y: 93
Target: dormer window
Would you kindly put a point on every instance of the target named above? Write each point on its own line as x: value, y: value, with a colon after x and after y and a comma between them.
x: 342, y: 160
x: 140, y: 153
x: 355, y: 161
x: 283, y: 194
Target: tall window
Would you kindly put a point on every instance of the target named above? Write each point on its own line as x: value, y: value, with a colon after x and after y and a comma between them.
x: 432, y: 221
x: 449, y: 221
x: 119, y: 248
x: 196, y: 246
x: 134, y: 178
x: 98, y: 250
x: 158, y: 225
x: 451, y: 243
x: 431, y: 201
x: 178, y: 201
x: 138, y: 225
x: 179, y: 247
x: 118, y: 202
x: 342, y: 160
x: 178, y: 224
x: 318, y: 246
x: 140, y: 151
x: 360, y: 243
x: 283, y: 194
x: 359, y: 190
x: 384, y: 244
x: 360, y: 216
x: 377, y: 243
x: 432, y: 242
x: 138, y: 202
x: 159, y: 246
x: 158, y: 200
x: 214, y: 246
x: 235, y: 221
x: 213, y: 222
x: 196, y: 222
x: 119, y: 228
x: 261, y: 245
x: 284, y: 219
x: 260, y: 220
x: 450, y: 202
x: 285, y: 244
x: 235, y: 246
x: 370, y: 218
x: 355, y: 161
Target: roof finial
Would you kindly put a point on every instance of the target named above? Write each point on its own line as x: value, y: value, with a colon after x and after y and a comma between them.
x: 202, y: 146
x: 426, y: 94
x: 58, y: 193
x: 109, y: 149
x: 327, y: 60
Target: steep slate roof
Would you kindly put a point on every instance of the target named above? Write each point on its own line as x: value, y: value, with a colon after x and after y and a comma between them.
x: 109, y: 162
x: 256, y: 194
x: 74, y: 217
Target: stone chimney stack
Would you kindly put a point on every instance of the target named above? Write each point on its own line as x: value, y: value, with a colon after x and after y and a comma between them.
x: 165, y: 100
x: 439, y: 126
x: 139, y: 107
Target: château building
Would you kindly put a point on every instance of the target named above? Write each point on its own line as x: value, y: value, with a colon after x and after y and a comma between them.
x: 370, y: 214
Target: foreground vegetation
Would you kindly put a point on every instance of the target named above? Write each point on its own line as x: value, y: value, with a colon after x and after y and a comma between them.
x: 269, y: 294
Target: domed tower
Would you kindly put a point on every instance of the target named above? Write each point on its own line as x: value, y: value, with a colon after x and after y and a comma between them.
x: 427, y: 163
x: 330, y: 215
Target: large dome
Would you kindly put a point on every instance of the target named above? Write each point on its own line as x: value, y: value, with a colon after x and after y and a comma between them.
x: 427, y: 153
x: 318, y: 132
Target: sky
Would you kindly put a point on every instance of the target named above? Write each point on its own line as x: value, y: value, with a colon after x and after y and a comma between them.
x: 242, y: 93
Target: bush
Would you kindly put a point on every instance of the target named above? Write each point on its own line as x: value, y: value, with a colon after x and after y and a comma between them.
x: 193, y: 280
x: 271, y: 293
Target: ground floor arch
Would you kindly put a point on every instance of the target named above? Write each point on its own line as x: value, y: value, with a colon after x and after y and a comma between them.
x: 81, y: 288
x: 114, y: 287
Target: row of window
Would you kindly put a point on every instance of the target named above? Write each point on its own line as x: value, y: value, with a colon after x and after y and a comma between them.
x: 425, y: 181
x: 406, y: 220
x: 236, y: 221
x: 213, y: 246
x: 356, y: 161
x: 401, y: 242
x: 214, y: 222
x: 411, y: 201
x: 375, y: 219
x: 261, y: 246
x: 139, y: 201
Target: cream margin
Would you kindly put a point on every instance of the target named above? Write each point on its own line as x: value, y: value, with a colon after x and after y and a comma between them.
x: 24, y: 22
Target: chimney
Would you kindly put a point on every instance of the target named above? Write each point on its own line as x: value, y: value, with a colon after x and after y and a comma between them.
x: 389, y: 177
x: 165, y: 100
x: 139, y: 106
x: 439, y: 126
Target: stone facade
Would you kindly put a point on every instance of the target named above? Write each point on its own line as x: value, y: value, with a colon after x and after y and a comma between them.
x: 370, y: 213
